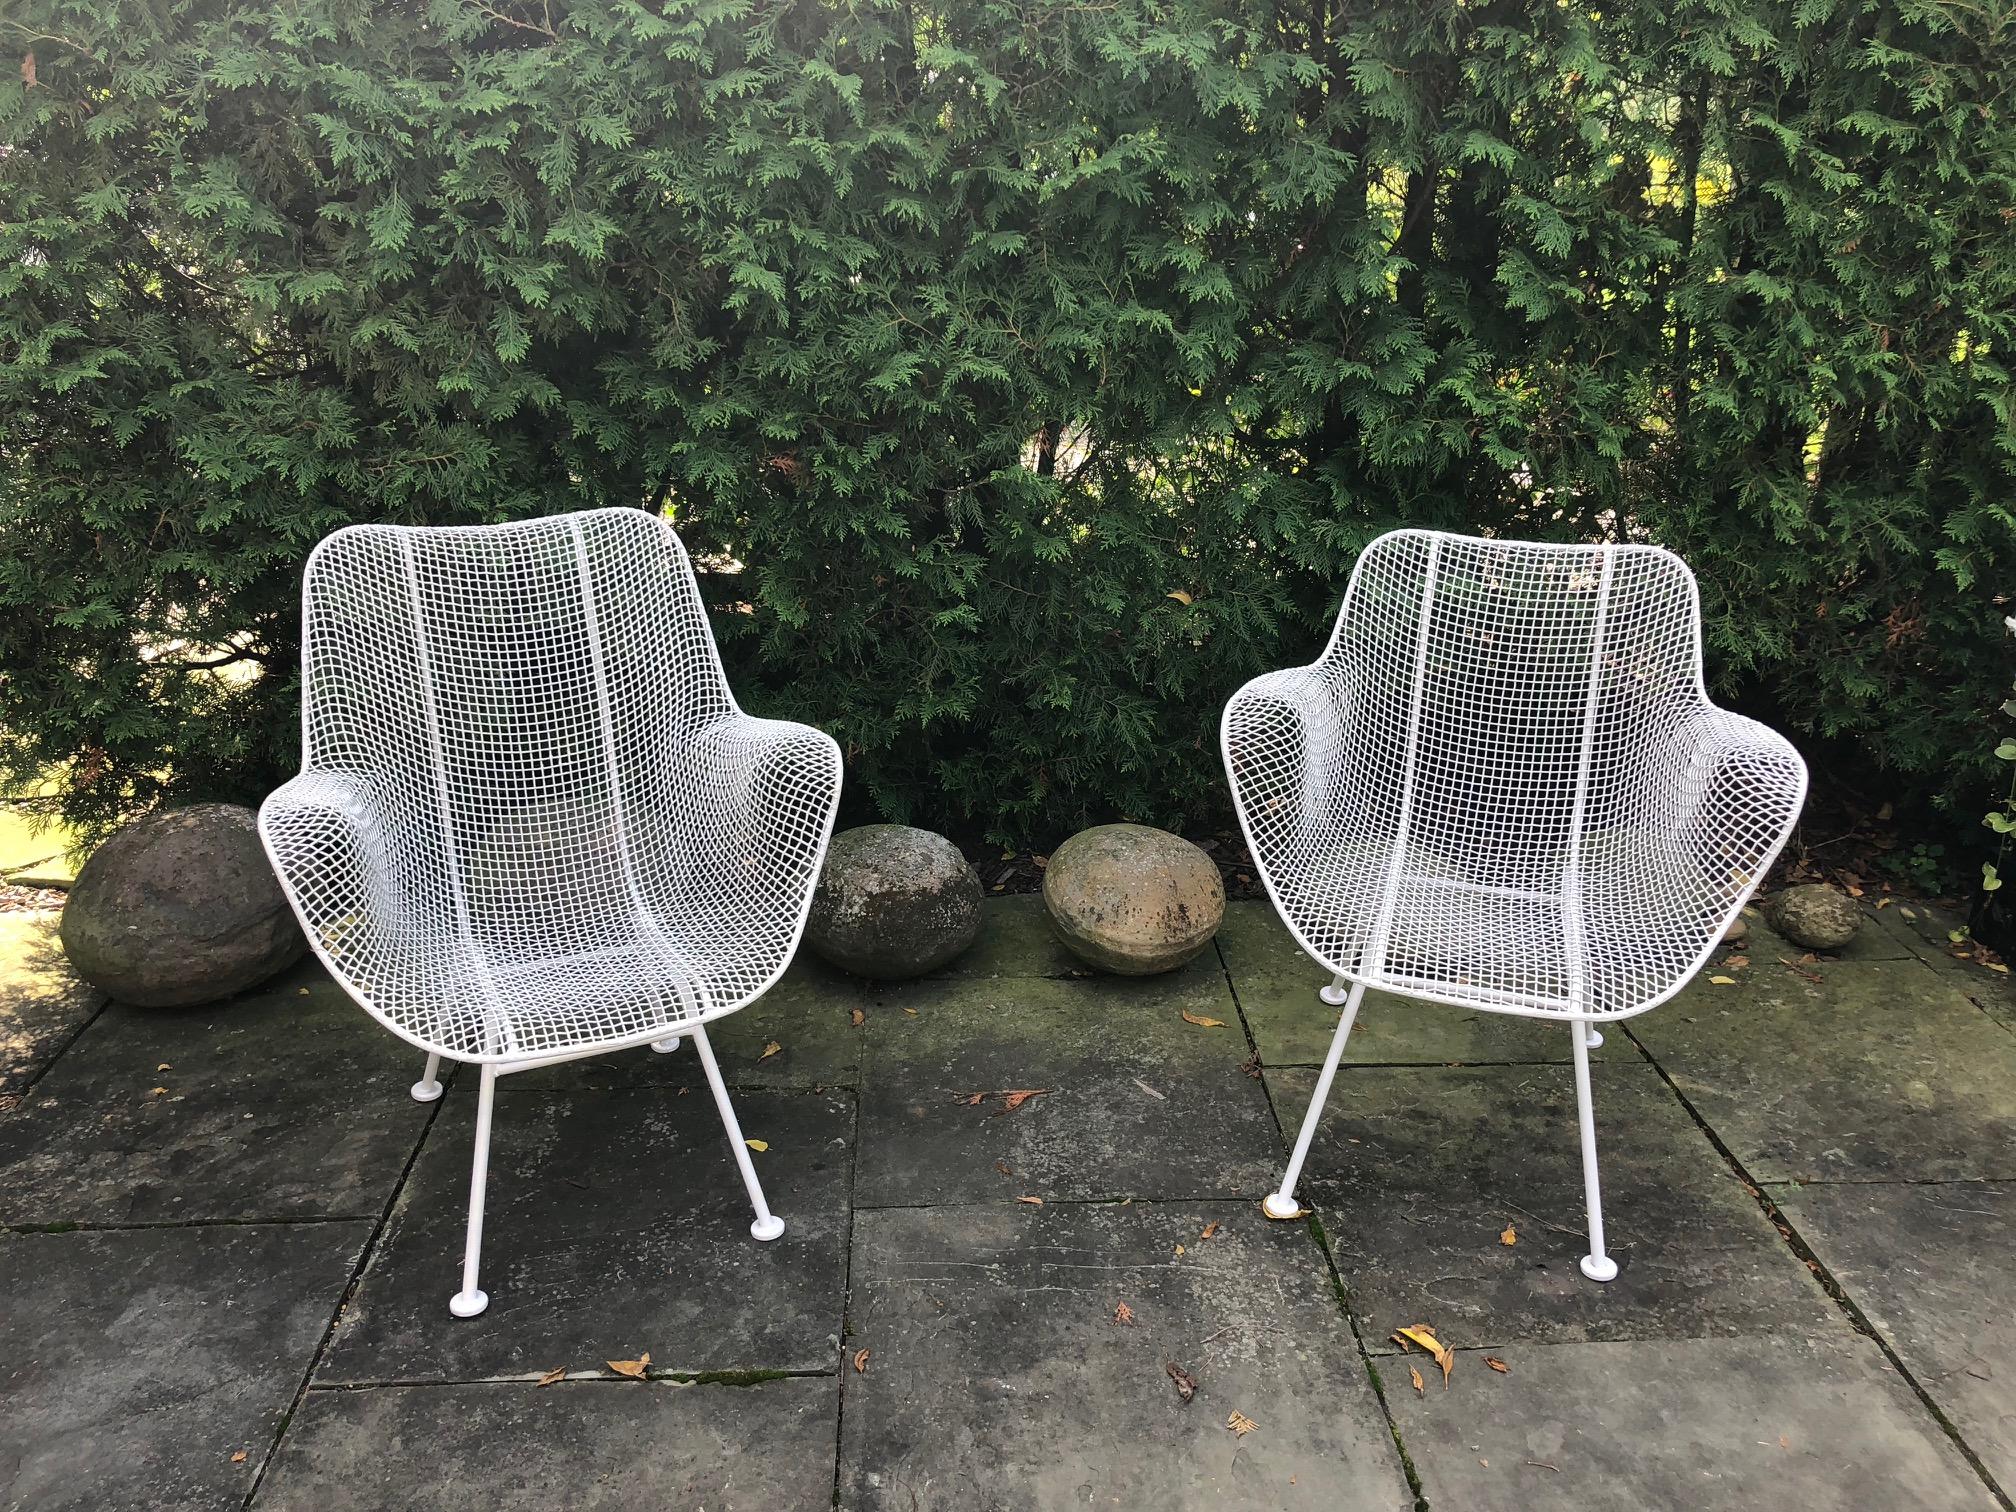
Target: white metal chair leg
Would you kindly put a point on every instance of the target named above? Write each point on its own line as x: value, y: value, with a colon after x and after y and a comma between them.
x: 1597, y: 1264
x: 428, y: 1088
x: 667, y: 1045
x: 1595, y: 1040
x: 767, y: 1225
x: 1281, y: 1203
x: 468, y: 1302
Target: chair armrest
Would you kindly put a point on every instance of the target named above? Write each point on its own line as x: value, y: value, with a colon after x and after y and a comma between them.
x: 1283, y: 735
x: 322, y: 832
x: 1726, y: 762
x: 768, y: 790
x: 1718, y: 796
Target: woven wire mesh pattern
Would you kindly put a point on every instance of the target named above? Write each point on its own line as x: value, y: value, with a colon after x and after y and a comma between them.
x: 531, y: 818
x: 1503, y: 786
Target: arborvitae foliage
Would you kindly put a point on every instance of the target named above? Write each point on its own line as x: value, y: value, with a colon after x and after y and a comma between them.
x: 1026, y: 375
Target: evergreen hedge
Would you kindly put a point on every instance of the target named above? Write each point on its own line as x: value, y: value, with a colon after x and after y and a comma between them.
x: 1028, y: 373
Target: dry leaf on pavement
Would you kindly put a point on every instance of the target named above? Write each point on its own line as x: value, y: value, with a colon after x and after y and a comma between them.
x: 1510, y: 1237
x: 1209, y: 1229
x: 1010, y: 1101
x: 773, y: 1048
x: 1123, y: 1314
x: 554, y: 1376
x: 1422, y: 1335
x: 1240, y: 1424
x: 857, y: 1016
x: 1186, y: 1383
x: 634, y: 1369
x: 1497, y: 1364
x: 1032, y: 1201
x: 1201, y: 1021
x: 239, y: 1458
x: 1415, y: 1376
x: 758, y: 1145
x: 861, y: 1361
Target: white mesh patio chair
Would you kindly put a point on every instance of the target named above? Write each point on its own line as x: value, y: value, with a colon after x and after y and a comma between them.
x: 1503, y: 787
x: 531, y: 823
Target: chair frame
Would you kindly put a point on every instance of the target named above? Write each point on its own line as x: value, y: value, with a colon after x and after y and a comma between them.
x: 1741, y: 740
x: 320, y: 810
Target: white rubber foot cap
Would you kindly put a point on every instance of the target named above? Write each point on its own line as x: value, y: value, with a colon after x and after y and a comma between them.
x: 769, y: 1228
x: 1274, y: 1205
x: 666, y: 1046
x: 426, y: 1091
x: 1593, y: 1039
x: 468, y: 1304
x: 1604, y: 1269
x: 1335, y: 996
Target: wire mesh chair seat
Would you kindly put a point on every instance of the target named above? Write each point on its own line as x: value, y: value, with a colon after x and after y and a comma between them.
x: 1503, y: 787
x: 531, y: 822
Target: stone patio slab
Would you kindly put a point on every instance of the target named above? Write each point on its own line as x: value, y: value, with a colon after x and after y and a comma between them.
x: 596, y: 1446
x: 1934, y: 1269
x: 1709, y: 1425
x: 43, y: 1003
x: 615, y: 1224
x: 1854, y: 1071
x: 999, y: 1376
x: 1016, y: 940
x: 135, y: 1364
x: 1276, y: 982
x: 289, y: 1102
x: 1415, y: 1175
x: 1926, y: 930
x: 1135, y: 1100
x: 808, y: 1016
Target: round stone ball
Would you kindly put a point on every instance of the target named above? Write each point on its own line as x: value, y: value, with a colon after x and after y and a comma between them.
x: 1133, y: 900
x: 1814, y: 915
x: 893, y: 902
x: 180, y: 907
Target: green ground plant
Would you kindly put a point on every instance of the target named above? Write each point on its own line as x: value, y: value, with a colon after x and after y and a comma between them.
x: 1027, y: 375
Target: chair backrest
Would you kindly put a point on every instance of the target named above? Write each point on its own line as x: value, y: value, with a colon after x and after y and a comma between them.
x: 1513, y: 689
x: 516, y: 693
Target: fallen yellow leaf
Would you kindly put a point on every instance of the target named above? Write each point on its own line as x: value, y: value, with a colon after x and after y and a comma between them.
x: 773, y: 1048
x: 554, y: 1376
x: 158, y: 1092
x: 1240, y: 1424
x: 634, y: 1369
x: 1422, y: 1335
x: 1202, y: 1022
x: 1420, y: 1389
x: 1180, y: 1252
x: 1032, y: 1201
x: 1209, y: 1229
x: 1510, y: 1237
x: 239, y: 1458
x: 758, y: 1145
x: 1723, y: 981
x: 857, y: 1017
